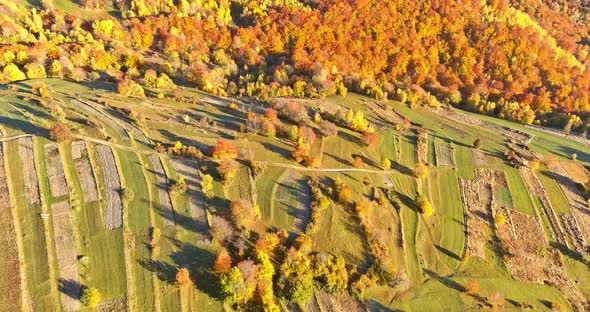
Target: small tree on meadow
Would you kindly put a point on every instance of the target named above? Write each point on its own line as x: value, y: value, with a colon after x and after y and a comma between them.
x: 386, y: 163
x: 371, y: 139
x: 477, y: 143
x: 472, y: 287
x: 207, y: 185
x: 243, y: 213
x: 495, y: 299
x: 227, y: 169
x: 183, y: 278
x: 90, y: 297
x: 420, y: 170
x: 223, y: 150
x: 424, y: 205
x: 534, y: 164
x: 357, y: 162
x: 222, y: 262
x: 60, y: 133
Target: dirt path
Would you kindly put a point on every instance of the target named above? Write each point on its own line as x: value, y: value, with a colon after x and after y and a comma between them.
x: 65, y: 249
x: 55, y: 171
x: 113, y: 211
x: 84, y: 171
x: 188, y: 169
x: 26, y: 153
x: 100, y: 115
x: 162, y: 182
x: 10, y: 284
x: 120, y: 121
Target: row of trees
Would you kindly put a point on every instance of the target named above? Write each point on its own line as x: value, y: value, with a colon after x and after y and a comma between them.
x: 416, y: 52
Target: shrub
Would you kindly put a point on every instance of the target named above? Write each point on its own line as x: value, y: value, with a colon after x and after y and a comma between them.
x: 60, y: 133
x: 41, y: 90
x: 500, y: 219
x: 477, y: 143
x: 495, y: 299
x: 371, y: 139
x: 295, y: 112
x: 243, y: 213
x: 343, y: 192
x: 357, y: 162
x: 386, y: 163
x: 328, y: 129
x: 534, y: 164
x: 90, y: 297
x: 183, y: 278
x: 227, y: 169
x: 207, y: 185
x: 420, y: 170
x: 223, y: 150
x: 220, y: 229
x: 13, y: 73
x: 178, y: 185
x: 471, y: 287
x: 222, y: 262
x: 130, y: 88
x: 424, y: 205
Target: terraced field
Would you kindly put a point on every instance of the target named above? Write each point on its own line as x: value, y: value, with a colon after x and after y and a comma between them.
x: 83, y: 212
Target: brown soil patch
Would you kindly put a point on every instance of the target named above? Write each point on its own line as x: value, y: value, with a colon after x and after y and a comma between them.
x: 574, y: 197
x: 477, y: 197
x: 444, y: 154
x: 188, y: 169
x: 55, y: 171
x: 422, y: 146
x: 529, y: 258
x: 65, y: 249
x: 339, y: 303
x: 573, y: 229
x: 84, y: 170
x: 10, y: 283
x: 479, y: 158
x: 535, y: 187
x: 164, y: 196
x: 29, y: 171
x: 118, y: 304
x: 113, y: 212
x: 576, y: 171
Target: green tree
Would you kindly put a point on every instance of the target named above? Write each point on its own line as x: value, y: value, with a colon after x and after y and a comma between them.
x: 233, y: 288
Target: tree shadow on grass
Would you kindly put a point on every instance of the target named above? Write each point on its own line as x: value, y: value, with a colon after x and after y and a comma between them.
x: 573, y: 254
x: 375, y: 306
x: 350, y: 138
x: 278, y: 150
x: 447, y: 252
x: 70, y: 288
x: 22, y: 125
x: 339, y: 159
x: 406, y: 200
x: 197, y: 260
